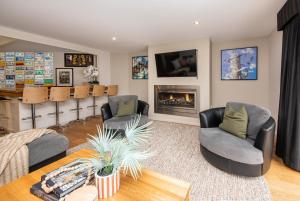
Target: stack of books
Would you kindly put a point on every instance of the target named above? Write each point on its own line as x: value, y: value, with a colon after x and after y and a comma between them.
x: 77, y: 181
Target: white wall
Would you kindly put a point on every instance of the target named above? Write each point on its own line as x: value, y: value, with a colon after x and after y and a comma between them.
x: 275, y: 46
x: 203, y: 79
x: 121, y: 74
x: 103, y: 57
x: 248, y: 91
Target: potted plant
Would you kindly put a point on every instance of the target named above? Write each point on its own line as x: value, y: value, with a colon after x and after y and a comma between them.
x: 114, y: 154
x: 91, y: 72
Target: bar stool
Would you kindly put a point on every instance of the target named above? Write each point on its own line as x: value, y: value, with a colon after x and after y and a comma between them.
x: 80, y: 92
x: 33, y: 96
x: 112, y: 90
x: 57, y: 95
x: 98, y: 90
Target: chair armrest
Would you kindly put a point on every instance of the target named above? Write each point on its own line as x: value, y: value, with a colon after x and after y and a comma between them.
x: 212, y: 117
x: 265, y: 142
x: 143, y: 108
x: 106, y: 112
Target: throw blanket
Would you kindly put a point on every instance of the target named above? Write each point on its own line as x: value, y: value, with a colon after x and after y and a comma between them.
x: 14, y: 157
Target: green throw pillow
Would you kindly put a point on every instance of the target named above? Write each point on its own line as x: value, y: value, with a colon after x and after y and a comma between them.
x: 125, y: 108
x: 235, y: 121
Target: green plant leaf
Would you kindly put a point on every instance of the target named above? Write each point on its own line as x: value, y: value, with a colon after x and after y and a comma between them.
x: 117, y: 153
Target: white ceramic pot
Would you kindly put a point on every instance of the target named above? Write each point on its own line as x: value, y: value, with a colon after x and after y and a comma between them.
x: 107, y: 186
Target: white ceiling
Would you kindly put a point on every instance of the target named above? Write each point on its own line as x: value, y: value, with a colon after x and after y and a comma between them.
x: 139, y: 23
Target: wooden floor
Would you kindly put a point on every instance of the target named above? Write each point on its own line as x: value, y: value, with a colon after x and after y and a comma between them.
x: 283, y: 182
x: 78, y: 132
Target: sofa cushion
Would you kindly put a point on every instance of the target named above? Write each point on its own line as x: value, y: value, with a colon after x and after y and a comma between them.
x: 257, y: 116
x: 125, y: 108
x: 120, y: 122
x: 228, y: 146
x: 235, y: 121
x: 46, y: 147
x: 113, y: 102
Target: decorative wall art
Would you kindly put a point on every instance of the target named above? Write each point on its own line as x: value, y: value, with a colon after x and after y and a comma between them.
x: 26, y: 68
x: 64, y: 77
x: 78, y: 60
x: 140, y: 67
x: 239, y: 64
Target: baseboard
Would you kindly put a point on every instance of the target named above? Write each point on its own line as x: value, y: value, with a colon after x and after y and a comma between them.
x: 175, y: 119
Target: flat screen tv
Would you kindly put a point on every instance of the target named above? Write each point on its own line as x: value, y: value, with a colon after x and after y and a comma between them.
x: 177, y: 64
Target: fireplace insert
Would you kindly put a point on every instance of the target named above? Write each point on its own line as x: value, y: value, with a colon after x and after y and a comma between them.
x: 179, y: 100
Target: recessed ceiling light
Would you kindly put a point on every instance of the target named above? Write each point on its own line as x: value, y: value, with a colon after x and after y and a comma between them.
x: 196, y: 22
x: 114, y: 38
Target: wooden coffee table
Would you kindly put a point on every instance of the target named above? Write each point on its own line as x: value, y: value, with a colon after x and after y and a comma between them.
x: 150, y: 186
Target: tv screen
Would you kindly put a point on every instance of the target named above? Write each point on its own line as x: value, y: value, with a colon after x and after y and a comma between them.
x: 177, y: 64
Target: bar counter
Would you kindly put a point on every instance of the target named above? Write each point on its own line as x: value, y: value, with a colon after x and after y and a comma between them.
x: 11, y: 93
x: 13, y: 111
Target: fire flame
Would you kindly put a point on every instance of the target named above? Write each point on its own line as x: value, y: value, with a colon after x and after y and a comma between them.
x: 187, y: 98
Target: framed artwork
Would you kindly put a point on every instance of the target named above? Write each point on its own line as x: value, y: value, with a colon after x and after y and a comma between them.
x: 140, y: 67
x: 78, y: 60
x: 64, y: 77
x: 239, y: 64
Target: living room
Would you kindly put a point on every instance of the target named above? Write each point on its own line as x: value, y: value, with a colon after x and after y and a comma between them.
x: 149, y: 100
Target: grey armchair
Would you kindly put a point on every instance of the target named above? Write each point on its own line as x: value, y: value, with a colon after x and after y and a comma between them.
x: 109, y: 111
x: 248, y: 157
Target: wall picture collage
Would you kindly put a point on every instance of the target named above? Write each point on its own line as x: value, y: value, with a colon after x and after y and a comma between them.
x: 28, y: 68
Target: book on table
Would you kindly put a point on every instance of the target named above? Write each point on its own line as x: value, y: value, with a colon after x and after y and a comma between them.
x: 78, y: 179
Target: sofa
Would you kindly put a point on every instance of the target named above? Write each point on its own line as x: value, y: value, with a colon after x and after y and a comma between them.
x: 46, y: 149
x: 247, y: 157
x: 109, y: 112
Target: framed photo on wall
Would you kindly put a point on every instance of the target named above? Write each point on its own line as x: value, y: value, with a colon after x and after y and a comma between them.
x: 140, y: 67
x: 78, y: 60
x: 239, y: 64
x: 64, y: 77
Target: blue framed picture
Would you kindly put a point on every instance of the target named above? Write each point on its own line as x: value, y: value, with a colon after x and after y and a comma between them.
x: 140, y: 67
x: 239, y: 64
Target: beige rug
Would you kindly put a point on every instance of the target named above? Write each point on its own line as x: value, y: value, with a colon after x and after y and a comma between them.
x: 177, y: 154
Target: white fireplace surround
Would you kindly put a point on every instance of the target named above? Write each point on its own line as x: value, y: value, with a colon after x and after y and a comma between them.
x: 203, y: 81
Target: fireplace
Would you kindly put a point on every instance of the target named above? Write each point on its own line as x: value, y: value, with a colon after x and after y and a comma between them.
x: 181, y: 100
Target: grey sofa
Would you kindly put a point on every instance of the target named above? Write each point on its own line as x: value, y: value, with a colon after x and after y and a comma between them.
x: 46, y: 149
x: 109, y: 111
x: 248, y: 157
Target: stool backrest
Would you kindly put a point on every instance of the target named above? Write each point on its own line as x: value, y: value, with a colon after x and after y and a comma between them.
x: 34, y: 95
x: 81, y: 91
x: 98, y: 90
x: 112, y: 90
x: 59, y: 93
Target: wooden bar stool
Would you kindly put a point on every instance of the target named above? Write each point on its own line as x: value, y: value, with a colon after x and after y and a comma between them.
x: 80, y: 92
x: 57, y: 95
x: 98, y: 90
x: 33, y: 96
x: 112, y: 90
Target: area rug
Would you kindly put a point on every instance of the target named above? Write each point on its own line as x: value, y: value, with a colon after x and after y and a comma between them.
x: 177, y: 154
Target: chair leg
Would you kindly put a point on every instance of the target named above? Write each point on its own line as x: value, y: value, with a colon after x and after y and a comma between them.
x: 77, y: 107
x: 33, y: 116
x: 57, y: 126
x: 57, y: 113
x: 94, y: 106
